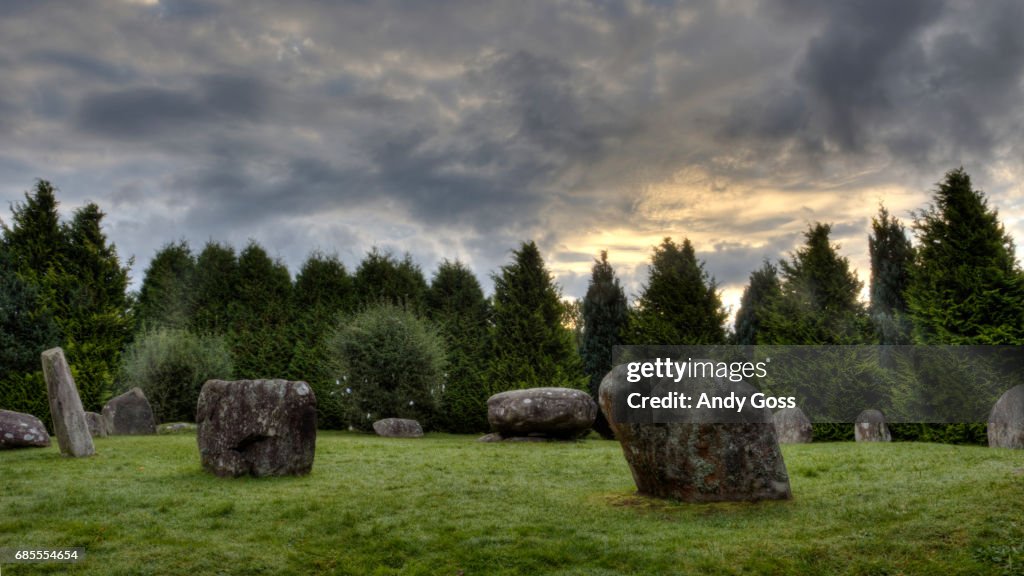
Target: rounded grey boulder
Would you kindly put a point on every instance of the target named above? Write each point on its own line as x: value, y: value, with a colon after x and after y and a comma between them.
x: 129, y: 414
x: 553, y: 412
x: 871, y: 427
x: 699, y: 458
x: 398, y: 428
x: 792, y: 426
x: 256, y: 427
x: 18, y: 430
x: 98, y: 425
x: 1006, y: 421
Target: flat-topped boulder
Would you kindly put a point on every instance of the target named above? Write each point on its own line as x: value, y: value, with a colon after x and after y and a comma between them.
x: 398, y: 428
x: 130, y: 414
x: 696, y: 454
x: 1006, y: 421
x: 552, y: 412
x: 98, y: 425
x: 18, y: 430
x: 870, y: 426
x: 69, y: 424
x: 176, y: 428
x: 256, y: 427
x: 792, y: 426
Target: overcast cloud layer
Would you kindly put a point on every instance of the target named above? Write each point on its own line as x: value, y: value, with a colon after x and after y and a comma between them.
x: 459, y: 129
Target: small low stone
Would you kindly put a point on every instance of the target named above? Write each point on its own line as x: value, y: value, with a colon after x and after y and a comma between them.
x: 554, y: 412
x: 18, y: 430
x: 176, y: 428
x: 98, y: 425
x: 492, y: 437
x: 871, y: 427
x: 129, y: 414
x: 398, y: 428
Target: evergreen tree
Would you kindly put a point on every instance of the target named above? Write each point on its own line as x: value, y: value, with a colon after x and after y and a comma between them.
x: 966, y: 287
x: 165, y: 296
x: 35, y: 240
x: 26, y: 329
x: 605, y: 317
x: 819, y: 302
x: 260, y: 337
x: 380, y: 278
x: 680, y: 302
x: 759, y: 295
x: 323, y: 291
x: 95, y: 321
x: 892, y: 257
x: 456, y: 305
x: 530, y: 345
x: 214, y: 292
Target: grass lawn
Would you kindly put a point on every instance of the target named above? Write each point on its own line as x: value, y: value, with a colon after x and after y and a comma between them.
x: 451, y: 505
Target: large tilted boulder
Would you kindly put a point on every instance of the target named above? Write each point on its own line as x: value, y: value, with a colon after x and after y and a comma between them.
x: 398, y: 428
x: 699, y: 455
x: 19, y: 430
x: 98, y: 425
x: 548, y: 412
x: 256, y: 427
x: 1006, y: 421
x: 130, y: 414
x: 792, y: 426
x: 870, y: 426
x: 69, y: 423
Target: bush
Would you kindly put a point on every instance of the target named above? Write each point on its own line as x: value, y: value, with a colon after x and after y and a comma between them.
x: 391, y: 363
x: 171, y: 366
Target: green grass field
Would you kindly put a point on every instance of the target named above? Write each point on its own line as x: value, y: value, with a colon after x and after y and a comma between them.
x: 451, y: 505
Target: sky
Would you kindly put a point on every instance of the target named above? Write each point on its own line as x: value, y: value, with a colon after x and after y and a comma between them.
x: 450, y: 129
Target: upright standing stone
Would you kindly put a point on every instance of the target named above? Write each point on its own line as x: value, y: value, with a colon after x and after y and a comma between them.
x: 871, y: 427
x: 130, y: 413
x: 66, y: 406
x: 705, y: 456
x: 793, y: 426
x: 1006, y: 421
x: 19, y: 430
x: 98, y: 426
x: 257, y: 427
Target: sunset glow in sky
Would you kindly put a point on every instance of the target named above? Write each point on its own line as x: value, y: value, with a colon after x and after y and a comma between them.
x: 459, y: 129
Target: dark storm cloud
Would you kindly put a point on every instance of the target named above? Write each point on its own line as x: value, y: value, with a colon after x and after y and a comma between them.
x: 143, y: 113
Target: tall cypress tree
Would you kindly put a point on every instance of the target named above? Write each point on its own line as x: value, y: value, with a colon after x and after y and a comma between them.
x: 383, y: 279
x: 456, y: 305
x: 605, y: 317
x: 214, y: 291
x: 759, y: 295
x: 966, y: 287
x: 260, y: 337
x: 323, y: 291
x: 680, y: 302
x: 530, y: 347
x: 892, y: 257
x: 167, y: 285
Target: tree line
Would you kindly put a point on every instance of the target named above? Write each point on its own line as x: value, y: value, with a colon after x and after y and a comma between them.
x: 382, y: 340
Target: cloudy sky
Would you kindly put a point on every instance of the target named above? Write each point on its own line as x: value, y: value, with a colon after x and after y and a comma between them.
x: 458, y: 129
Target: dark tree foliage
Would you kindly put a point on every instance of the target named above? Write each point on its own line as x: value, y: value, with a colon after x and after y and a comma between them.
x: 760, y: 294
x: 260, y: 337
x: 680, y: 302
x: 456, y: 305
x: 214, y: 289
x: 819, y: 302
x: 530, y: 346
x: 165, y: 297
x: 966, y: 287
x: 26, y: 329
x: 390, y: 364
x: 605, y: 316
x: 323, y: 292
x: 892, y: 258
x: 79, y: 284
x: 381, y: 278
